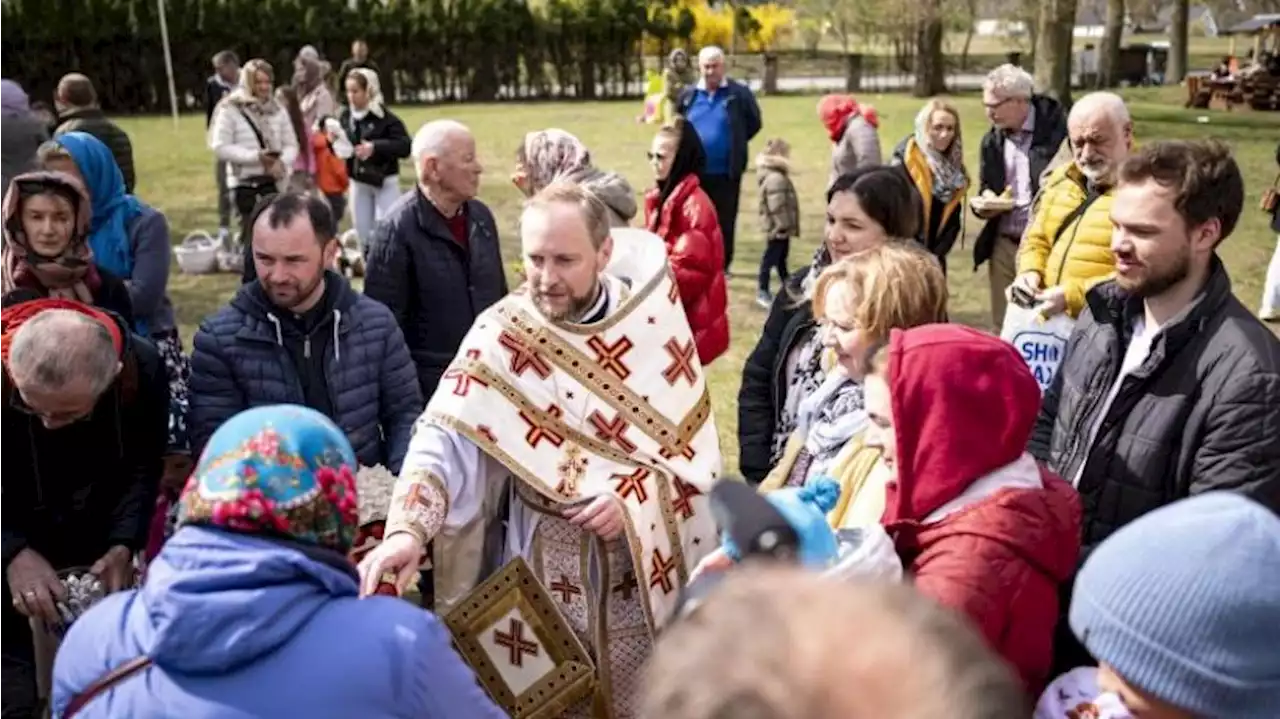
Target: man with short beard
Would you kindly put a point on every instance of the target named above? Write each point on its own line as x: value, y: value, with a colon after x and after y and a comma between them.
x: 300, y: 335
x: 1169, y: 385
x: 434, y: 259
x: 573, y: 429
x: 1067, y: 247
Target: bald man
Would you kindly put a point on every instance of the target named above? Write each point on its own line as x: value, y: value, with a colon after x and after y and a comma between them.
x: 434, y: 259
x: 78, y: 111
x: 86, y: 411
x: 1067, y: 247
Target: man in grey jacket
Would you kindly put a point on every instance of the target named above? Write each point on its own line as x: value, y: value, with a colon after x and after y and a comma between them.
x: 1169, y: 386
x: 78, y: 111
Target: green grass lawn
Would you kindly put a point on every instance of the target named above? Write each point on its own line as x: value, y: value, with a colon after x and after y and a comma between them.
x: 175, y: 174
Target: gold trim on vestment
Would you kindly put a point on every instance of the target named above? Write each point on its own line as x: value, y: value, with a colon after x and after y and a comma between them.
x: 400, y: 519
x: 614, y: 392
x: 516, y: 587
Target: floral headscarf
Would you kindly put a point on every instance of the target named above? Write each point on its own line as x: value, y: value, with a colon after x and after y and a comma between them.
x: 71, y: 275
x: 552, y: 153
x: 949, y: 175
x: 283, y: 471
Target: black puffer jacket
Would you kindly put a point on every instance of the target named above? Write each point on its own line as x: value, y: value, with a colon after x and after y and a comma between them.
x: 391, y: 144
x: 1201, y: 413
x: 760, y: 398
x: 434, y: 286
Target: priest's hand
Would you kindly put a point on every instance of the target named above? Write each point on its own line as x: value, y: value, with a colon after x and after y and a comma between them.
x: 602, y: 516
x: 114, y: 569
x: 399, y: 555
x: 35, y: 586
x: 714, y: 563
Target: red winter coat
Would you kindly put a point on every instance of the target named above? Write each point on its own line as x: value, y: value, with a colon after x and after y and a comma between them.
x: 978, y: 523
x: 696, y: 249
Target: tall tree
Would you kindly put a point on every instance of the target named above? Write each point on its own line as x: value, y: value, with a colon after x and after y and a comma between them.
x: 1109, y: 65
x: 1053, y: 49
x: 930, y: 70
x: 1178, y: 43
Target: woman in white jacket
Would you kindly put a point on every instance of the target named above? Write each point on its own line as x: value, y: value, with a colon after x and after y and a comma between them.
x: 252, y: 134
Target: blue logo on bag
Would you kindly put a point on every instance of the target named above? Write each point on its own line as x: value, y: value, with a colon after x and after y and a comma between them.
x: 1042, y: 351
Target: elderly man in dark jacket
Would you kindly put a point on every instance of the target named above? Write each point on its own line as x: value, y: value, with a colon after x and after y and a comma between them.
x: 78, y: 111
x: 1026, y: 133
x: 435, y: 260
x: 301, y: 335
x: 726, y: 116
x: 86, y: 410
x: 1169, y: 386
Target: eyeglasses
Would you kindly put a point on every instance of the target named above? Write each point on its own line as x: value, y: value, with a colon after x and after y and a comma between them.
x: 655, y: 156
x: 997, y: 105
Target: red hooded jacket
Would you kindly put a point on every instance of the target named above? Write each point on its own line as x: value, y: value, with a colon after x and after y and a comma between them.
x: 695, y: 247
x: 978, y: 523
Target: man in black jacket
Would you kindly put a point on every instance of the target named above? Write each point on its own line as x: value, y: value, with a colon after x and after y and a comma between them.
x: 1169, y: 385
x: 226, y: 74
x: 78, y: 111
x: 435, y: 259
x: 86, y: 411
x: 1026, y: 132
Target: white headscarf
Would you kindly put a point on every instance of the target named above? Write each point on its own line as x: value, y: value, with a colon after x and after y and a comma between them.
x: 375, y: 89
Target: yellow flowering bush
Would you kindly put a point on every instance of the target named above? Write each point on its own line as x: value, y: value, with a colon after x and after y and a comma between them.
x: 773, y: 25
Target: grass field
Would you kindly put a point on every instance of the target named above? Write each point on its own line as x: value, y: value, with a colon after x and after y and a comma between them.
x: 175, y: 174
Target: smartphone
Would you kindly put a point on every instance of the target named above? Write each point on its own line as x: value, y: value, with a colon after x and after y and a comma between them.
x: 273, y: 154
x: 1021, y: 297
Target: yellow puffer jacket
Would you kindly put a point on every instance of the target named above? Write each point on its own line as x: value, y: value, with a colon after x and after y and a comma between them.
x: 1077, y: 255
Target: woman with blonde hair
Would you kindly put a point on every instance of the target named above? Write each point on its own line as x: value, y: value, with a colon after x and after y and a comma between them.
x: 933, y: 157
x: 857, y: 301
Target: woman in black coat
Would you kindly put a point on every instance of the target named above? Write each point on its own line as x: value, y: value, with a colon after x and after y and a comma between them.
x: 865, y: 208
x: 380, y: 142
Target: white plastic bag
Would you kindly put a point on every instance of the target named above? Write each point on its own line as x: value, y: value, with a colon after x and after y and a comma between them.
x: 1041, y: 342
x: 866, y: 553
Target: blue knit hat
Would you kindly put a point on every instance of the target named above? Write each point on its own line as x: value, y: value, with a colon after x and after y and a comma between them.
x: 1184, y: 605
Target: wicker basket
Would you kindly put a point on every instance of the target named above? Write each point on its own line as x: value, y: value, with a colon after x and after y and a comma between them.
x: 198, y: 254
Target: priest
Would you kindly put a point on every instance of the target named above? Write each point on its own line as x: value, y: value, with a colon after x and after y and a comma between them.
x: 573, y: 429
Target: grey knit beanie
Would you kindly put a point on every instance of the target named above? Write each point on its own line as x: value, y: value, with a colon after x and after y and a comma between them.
x: 1184, y: 604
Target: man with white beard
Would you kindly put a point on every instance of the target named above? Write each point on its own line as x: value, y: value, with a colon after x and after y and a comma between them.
x: 1067, y: 247
x: 573, y: 429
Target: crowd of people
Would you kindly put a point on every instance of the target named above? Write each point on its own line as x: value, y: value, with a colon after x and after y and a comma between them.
x: 966, y: 542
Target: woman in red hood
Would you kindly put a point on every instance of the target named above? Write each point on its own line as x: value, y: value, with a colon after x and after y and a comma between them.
x: 854, y: 133
x: 978, y: 523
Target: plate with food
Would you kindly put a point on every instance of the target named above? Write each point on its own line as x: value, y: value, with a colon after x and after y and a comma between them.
x: 989, y: 201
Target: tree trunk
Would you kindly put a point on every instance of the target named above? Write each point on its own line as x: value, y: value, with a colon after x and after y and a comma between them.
x: 1109, y: 60
x: 1177, y: 44
x: 931, y: 76
x: 1053, y: 49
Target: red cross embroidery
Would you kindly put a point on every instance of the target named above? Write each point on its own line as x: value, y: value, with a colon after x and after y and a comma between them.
x: 614, y: 431
x: 514, y: 640
x: 685, y: 493
x: 681, y: 362
x: 462, y: 381
x: 568, y: 590
x: 418, y: 497
x: 660, y: 572
x: 610, y: 355
x: 485, y: 431
x: 523, y: 356
x: 633, y: 483
x: 537, y: 432
x: 687, y: 452
x: 626, y: 586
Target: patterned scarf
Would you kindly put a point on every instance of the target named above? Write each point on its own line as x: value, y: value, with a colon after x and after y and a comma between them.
x: 71, y: 275
x: 949, y: 175
x: 809, y: 371
x: 552, y: 153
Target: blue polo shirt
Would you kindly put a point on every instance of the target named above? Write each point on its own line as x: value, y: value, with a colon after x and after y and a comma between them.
x: 710, y: 117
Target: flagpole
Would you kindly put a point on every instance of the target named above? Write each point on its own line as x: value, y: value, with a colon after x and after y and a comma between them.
x: 168, y: 63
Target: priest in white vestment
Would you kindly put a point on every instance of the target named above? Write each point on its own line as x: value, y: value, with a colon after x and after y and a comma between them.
x: 573, y: 429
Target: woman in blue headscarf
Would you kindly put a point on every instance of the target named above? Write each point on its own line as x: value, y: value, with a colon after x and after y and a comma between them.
x: 253, y: 607
x: 130, y: 240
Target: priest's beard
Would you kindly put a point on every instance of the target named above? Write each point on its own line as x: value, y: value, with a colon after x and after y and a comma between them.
x: 560, y: 304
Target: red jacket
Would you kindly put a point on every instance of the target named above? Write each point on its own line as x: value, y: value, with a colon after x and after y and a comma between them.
x: 979, y: 524
x: 696, y: 249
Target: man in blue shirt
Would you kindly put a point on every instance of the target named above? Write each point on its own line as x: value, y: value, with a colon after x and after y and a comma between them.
x: 725, y: 115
